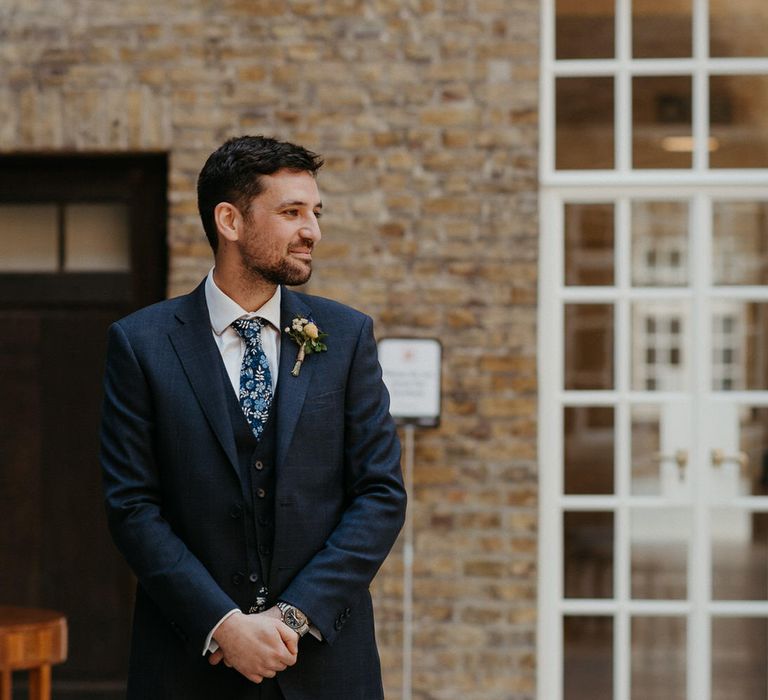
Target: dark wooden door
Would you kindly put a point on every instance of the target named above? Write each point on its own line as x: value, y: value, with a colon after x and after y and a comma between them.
x: 55, y: 550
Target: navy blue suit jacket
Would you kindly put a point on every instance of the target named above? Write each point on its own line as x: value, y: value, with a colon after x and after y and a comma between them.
x: 178, y: 508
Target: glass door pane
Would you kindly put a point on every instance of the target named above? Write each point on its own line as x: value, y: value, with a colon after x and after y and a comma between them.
x: 659, y: 449
x: 739, y: 451
x: 645, y: 445
x: 584, y: 123
x: 661, y: 122
x: 738, y: 346
x: 740, y: 242
x: 588, y: 554
x: 584, y: 30
x: 588, y: 658
x: 660, y: 248
x: 659, y: 345
x: 589, y: 346
x: 589, y: 447
x: 659, y: 646
x: 739, y: 555
x: 662, y: 30
x: 659, y: 550
x: 738, y: 121
x: 589, y: 244
x: 738, y: 28
x: 739, y: 652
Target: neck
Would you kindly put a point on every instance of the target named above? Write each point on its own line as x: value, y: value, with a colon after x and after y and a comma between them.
x: 249, y: 292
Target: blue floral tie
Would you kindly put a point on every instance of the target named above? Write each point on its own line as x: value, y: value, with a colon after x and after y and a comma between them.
x: 255, y: 377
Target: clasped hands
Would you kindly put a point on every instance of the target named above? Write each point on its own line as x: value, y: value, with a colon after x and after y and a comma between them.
x: 258, y: 646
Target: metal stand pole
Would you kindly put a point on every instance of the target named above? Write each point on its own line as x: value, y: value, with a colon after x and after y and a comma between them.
x: 408, y: 567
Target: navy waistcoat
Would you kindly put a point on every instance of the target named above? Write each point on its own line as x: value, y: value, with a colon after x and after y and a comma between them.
x: 256, y: 461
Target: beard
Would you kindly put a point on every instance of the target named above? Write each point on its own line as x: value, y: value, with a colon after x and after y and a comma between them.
x: 285, y: 271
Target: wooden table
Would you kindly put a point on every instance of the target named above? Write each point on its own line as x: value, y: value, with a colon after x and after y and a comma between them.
x: 31, y: 640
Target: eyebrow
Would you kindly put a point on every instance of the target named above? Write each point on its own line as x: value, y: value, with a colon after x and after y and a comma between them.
x: 298, y: 203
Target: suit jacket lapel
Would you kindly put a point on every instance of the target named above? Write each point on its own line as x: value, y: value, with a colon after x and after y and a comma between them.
x: 198, y: 354
x: 291, y: 391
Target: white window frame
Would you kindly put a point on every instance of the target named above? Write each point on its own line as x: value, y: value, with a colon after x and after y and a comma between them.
x: 700, y: 186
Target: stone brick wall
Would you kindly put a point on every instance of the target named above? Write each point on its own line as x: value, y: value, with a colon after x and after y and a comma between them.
x: 426, y: 111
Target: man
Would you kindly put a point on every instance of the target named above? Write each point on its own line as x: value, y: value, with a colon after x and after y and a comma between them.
x: 254, y: 495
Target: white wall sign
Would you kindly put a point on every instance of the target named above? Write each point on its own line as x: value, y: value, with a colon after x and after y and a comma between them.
x: 412, y: 369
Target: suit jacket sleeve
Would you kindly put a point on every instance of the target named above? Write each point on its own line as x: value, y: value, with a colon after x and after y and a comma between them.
x: 170, y: 574
x: 328, y: 587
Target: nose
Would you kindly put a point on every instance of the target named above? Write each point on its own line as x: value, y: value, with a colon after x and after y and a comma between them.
x: 311, y: 229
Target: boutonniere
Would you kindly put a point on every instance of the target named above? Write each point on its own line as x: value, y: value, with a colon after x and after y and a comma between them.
x: 308, y: 337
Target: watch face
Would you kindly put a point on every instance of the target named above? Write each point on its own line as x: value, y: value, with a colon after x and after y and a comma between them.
x: 294, y: 619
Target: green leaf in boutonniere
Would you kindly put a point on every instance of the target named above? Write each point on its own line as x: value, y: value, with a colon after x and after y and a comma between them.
x: 308, y: 337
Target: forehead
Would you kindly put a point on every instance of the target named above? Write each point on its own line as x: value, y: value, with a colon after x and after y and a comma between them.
x: 290, y: 185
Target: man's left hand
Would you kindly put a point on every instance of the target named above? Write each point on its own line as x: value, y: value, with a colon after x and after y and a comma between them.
x: 289, y: 636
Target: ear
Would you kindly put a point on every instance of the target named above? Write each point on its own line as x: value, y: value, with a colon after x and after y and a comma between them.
x: 228, y: 220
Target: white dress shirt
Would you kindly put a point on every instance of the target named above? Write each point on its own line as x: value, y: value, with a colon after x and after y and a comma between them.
x: 223, y: 310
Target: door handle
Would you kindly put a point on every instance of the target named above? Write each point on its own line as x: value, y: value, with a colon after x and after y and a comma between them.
x: 680, y: 457
x: 741, y: 458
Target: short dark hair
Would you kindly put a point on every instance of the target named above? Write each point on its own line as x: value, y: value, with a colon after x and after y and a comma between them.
x: 233, y: 173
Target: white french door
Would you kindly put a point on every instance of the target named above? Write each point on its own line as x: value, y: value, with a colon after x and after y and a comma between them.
x: 654, y: 449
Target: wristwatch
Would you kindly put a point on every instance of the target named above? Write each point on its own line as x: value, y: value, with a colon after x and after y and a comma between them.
x: 294, y: 618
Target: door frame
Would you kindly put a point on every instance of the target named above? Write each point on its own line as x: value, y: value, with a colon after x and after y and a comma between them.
x: 63, y: 299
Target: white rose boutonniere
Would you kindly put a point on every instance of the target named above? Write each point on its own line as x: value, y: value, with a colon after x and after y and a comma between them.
x: 308, y: 337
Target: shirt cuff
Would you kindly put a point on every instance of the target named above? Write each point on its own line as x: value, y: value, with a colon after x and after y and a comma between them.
x: 211, y: 644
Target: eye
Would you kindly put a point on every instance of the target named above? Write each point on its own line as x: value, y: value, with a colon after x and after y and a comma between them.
x: 291, y: 212
x: 318, y: 214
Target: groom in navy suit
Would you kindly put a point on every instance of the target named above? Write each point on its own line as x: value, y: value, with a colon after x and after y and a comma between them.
x: 251, y: 467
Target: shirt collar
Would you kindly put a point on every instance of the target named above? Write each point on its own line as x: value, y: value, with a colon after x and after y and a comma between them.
x: 223, y: 309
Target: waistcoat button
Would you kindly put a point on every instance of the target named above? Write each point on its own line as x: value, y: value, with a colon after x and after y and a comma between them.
x: 258, y: 464
x: 261, y: 493
x: 254, y: 577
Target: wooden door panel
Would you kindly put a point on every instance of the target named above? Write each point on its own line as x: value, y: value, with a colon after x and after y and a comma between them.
x: 85, y: 576
x: 61, y: 555
x: 20, y: 458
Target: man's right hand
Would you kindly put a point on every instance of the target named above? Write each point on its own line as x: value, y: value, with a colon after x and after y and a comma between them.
x: 258, y: 646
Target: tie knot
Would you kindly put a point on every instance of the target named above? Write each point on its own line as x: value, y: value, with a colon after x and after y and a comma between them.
x: 249, y: 329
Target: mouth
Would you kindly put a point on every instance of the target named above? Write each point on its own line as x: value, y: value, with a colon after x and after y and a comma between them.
x: 302, y: 253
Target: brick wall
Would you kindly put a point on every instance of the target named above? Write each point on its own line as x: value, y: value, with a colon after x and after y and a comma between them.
x: 426, y: 111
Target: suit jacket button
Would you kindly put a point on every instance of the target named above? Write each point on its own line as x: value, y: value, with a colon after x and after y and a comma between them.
x: 254, y: 577
x: 337, y: 625
x: 236, y: 511
x: 265, y: 550
x: 237, y: 578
